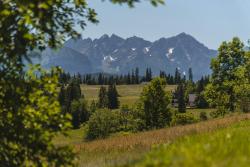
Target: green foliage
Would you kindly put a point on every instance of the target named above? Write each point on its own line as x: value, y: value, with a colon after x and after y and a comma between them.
x: 203, y: 116
x: 30, y: 117
x: 102, y: 123
x: 132, y: 2
x: 113, y: 101
x: 230, y: 83
x: 181, y: 98
x: 156, y: 104
x: 220, y: 112
x: 201, y: 101
x: 190, y: 74
x: 79, y: 112
x: 183, y: 119
x: 103, y: 100
x: 93, y: 107
x: 73, y: 92
x: 225, y: 148
x: 30, y: 112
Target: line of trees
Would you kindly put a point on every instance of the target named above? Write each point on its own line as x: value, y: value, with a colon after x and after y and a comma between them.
x: 131, y: 78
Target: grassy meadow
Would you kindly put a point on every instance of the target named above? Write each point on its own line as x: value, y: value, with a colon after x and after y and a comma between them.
x: 228, y: 147
x: 129, y: 94
x: 150, y: 148
x: 128, y: 149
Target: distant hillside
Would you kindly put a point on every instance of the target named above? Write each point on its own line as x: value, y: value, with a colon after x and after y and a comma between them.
x: 113, y: 54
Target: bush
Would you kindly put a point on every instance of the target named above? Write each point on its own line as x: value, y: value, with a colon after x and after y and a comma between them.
x: 203, y: 116
x: 183, y: 119
x: 220, y: 112
x: 102, y: 123
x: 132, y: 119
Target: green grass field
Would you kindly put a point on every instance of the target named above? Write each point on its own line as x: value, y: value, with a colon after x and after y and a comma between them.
x: 227, y: 147
x: 129, y: 94
x: 133, y: 149
x: 190, y: 145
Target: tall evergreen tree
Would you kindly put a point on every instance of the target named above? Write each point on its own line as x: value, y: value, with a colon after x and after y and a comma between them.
x: 62, y: 95
x: 177, y: 78
x: 133, y: 76
x: 137, y: 75
x: 113, y: 97
x: 190, y: 74
x: 103, y: 100
x: 181, y: 98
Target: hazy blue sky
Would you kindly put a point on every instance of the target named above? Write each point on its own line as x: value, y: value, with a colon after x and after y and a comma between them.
x: 210, y: 21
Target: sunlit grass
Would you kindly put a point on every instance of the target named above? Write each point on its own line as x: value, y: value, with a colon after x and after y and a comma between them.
x: 123, y: 149
x: 223, y: 148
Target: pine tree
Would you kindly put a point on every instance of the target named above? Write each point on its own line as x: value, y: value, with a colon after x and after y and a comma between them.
x: 73, y: 92
x: 190, y: 74
x: 113, y: 101
x: 128, y: 79
x: 150, y: 74
x: 62, y: 95
x: 103, y: 98
x: 133, y: 77
x: 137, y: 75
x: 181, y: 98
x: 177, y: 76
x: 100, y: 79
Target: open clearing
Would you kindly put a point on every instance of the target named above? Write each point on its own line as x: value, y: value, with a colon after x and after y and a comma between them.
x: 126, y: 149
x: 129, y: 94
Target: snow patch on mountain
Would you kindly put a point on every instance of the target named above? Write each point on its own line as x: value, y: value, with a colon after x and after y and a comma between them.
x: 109, y: 58
x: 146, y: 50
x: 170, y: 52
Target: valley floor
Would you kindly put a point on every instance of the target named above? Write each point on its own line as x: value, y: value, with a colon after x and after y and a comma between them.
x: 131, y: 149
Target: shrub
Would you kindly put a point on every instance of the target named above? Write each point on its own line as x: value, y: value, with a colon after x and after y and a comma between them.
x: 203, y: 116
x: 132, y: 119
x: 183, y: 119
x: 102, y: 123
x: 220, y: 112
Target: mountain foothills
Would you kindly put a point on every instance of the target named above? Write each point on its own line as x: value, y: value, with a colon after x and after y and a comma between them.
x: 113, y: 54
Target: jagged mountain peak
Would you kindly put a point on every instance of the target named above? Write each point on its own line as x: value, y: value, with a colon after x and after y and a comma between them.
x: 118, y: 55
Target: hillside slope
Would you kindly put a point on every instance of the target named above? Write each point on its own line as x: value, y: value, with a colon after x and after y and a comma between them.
x: 223, y: 148
x: 126, y: 149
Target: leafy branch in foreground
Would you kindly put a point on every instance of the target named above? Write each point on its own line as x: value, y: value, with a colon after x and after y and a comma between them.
x: 27, y: 128
x: 29, y: 108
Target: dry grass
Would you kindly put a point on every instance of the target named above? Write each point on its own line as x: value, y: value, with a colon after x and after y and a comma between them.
x: 147, y: 139
x: 120, y: 150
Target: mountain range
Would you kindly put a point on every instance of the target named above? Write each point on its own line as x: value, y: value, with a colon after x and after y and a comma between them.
x: 116, y: 55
